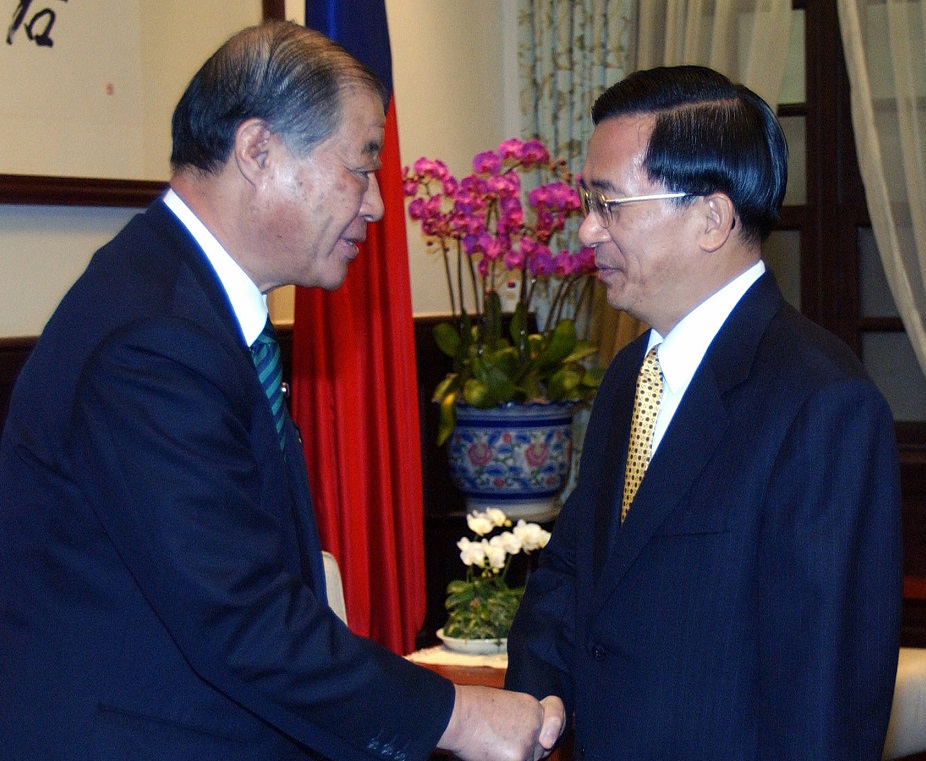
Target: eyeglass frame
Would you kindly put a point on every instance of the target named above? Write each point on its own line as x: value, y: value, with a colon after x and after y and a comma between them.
x: 595, y: 201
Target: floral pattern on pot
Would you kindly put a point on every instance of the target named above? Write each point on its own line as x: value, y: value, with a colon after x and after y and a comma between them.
x: 511, y: 453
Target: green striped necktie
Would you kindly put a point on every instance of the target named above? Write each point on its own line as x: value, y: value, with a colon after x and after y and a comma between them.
x: 265, y: 351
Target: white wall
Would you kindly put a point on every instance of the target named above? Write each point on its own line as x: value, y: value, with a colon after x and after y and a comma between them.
x: 42, y: 251
x: 454, y: 69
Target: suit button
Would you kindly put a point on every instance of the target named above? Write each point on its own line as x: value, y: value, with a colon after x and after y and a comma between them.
x: 599, y: 653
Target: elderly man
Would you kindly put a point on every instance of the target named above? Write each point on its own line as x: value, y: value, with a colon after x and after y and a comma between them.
x: 724, y: 581
x: 161, y: 587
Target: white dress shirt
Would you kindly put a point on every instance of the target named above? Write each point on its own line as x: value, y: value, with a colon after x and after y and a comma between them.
x: 681, y: 351
x: 248, y: 303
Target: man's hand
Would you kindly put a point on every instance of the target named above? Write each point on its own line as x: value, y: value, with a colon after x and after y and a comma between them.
x: 498, y: 725
x: 554, y: 722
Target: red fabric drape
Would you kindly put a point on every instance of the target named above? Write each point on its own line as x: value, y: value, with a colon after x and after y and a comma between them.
x: 354, y: 399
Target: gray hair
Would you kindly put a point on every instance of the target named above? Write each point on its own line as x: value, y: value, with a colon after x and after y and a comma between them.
x: 285, y: 74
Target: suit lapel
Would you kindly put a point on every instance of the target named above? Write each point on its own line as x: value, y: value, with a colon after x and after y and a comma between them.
x: 612, y: 442
x: 310, y: 547
x: 687, y: 446
x: 697, y: 428
x: 213, y: 311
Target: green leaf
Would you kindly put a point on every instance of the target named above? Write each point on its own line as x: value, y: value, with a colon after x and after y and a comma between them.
x: 446, y: 417
x: 448, y: 339
x: 582, y: 350
x: 493, y: 319
x: 518, y: 330
x: 535, y: 345
x: 561, y: 342
x: 476, y: 393
x: 447, y: 385
x: 497, y: 372
x: 481, y: 609
x: 593, y: 376
x: 564, y: 380
x: 502, y: 362
x: 458, y: 585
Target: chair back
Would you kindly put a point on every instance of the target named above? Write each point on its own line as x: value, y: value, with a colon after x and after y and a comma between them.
x: 333, y: 586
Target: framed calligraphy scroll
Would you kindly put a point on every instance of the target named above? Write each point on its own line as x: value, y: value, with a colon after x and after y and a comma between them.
x: 87, y: 89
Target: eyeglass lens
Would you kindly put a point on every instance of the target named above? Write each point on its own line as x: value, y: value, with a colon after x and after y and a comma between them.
x: 595, y: 202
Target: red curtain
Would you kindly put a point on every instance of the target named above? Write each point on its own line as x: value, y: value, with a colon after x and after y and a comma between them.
x: 355, y: 401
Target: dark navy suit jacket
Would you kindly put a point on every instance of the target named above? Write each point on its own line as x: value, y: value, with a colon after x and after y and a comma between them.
x: 748, y: 608
x: 161, y: 589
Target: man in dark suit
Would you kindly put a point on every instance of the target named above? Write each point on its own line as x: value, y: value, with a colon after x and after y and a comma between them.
x: 744, y: 602
x: 161, y: 586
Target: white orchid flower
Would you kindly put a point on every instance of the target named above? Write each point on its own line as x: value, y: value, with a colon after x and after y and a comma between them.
x: 508, y: 542
x: 479, y: 523
x: 495, y: 554
x: 531, y: 536
x: 471, y: 553
x: 497, y: 517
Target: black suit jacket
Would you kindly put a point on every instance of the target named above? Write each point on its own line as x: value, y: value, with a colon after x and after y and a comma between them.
x: 161, y: 588
x: 748, y: 608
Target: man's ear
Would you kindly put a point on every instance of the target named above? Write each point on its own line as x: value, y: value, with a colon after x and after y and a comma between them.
x: 719, y: 220
x: 252, y: 149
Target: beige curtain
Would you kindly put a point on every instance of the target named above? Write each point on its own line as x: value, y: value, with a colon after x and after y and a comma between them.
x: 745, y: 39
x: 885, y: 48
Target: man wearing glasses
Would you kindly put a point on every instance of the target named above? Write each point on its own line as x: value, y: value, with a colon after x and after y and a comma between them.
x: 741, y: 599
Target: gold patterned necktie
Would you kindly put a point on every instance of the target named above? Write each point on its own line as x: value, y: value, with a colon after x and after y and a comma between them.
x: 642, y: 424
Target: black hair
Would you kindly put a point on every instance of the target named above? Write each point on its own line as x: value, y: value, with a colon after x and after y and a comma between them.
x: 710, y: 135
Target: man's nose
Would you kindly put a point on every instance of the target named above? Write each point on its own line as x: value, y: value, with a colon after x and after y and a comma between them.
x: 372, y: 208
x: 591, y: 233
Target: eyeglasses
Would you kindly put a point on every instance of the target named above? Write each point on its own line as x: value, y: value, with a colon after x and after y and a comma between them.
x: 593, y: 201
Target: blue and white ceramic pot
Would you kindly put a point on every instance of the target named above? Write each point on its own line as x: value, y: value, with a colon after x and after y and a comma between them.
x: 515, y: 457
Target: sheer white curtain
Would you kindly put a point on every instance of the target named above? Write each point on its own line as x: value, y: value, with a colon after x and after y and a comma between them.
x: 885, y: 48
x: 745, y: 39
x: 568, y: 54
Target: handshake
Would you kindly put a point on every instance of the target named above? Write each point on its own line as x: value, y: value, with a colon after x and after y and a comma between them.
x: 489, y: 724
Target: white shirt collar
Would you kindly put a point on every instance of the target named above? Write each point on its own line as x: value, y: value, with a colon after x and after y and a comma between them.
x: 684, y: 347
x: 248, y: 303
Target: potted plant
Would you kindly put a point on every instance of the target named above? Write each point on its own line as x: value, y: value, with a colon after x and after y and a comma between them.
x: 481, y: 607
x: 494, y: 236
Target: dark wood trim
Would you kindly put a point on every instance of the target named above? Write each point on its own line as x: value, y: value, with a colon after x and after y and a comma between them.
x: 274, y: 9
x: 792, y: 218
x: 18, y: 343
x: 880, y: 325
x: 914, y: 587
x: 78, y: 191
x: 13, y: 355
x: 911, y: 437
x: 791, y: 109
